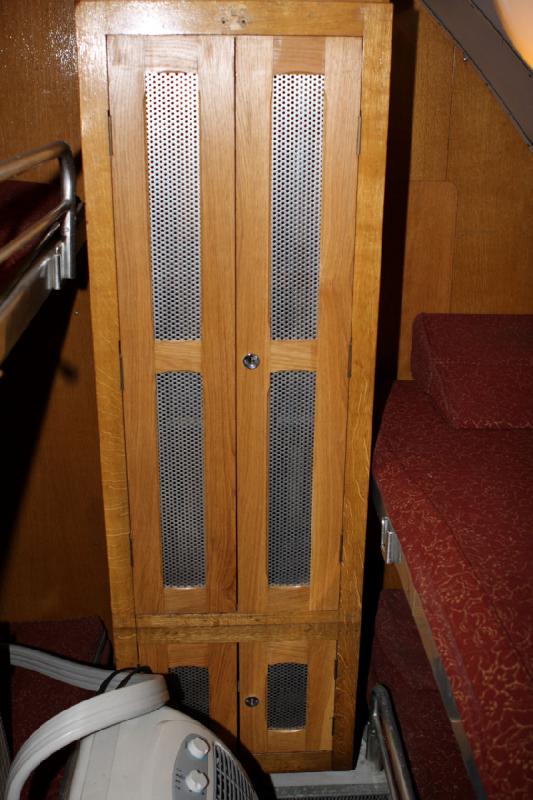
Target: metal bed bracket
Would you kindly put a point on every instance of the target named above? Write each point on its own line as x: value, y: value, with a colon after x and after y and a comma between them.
x: 62, y: 217
x: 391, y: 549
x: 51, y: 240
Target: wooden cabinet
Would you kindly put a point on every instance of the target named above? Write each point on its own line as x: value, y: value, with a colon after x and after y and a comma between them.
x: 234, y: 162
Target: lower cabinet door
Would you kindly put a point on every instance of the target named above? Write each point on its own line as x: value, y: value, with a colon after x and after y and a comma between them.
x: 202, y: 681
x: 286, y: 696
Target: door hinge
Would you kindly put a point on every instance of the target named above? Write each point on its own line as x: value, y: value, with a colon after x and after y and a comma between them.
x: 110, y: 131
x: 350, y: 360
x: 358, y: 140
x: 121, y: 367
x: 341, y: 546
x: 336, y: 668
x: 131, y: 551
x: 333, y: 726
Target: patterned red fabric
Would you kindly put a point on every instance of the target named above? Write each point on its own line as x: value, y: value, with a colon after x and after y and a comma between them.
x: 399, y: 663
x: 34, y: 698
x: 477, y: 368
x: 461, y: 503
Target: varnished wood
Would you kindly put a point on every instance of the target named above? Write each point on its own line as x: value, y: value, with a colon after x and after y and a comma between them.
x: 254, y: 659
x: 320, y: 693
x: 493, y: 257
x: 241, y: 627
x: 256, y: 630
x: 104, y: 311
x: 253, y: 142
x: 471, y: 254
x: 126, y: 98
x: 345, y: 696
x: 433, y: 85
x: 342, y: 59
x: 177, y: 356
x: 38, y: 60
x: 252, y: 682
x: 341, y: 111
x: 293, y: 355
x: 253, y: 18
x: 141, y: 357
x: 241, y: 633
x: 431, y: 213
x: 299, y: 54
x: 370, y: 190
x: 217, y: 197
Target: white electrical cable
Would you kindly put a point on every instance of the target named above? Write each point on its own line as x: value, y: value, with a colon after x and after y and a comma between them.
x: 67, y: 671
x: 144, y: 694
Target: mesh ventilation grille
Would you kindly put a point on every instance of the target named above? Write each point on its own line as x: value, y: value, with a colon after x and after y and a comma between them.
x: 172, y: 130
x: 292, y: 422
x: 286, y: 696
x: 181, y: 473
x: 230, y: 781
x: 297, y: 135
x: 189, y: 688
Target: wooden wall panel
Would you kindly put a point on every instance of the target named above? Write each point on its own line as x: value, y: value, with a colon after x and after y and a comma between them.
x: 429, y: 244
x: 52, y: 559
x: 473, y: 255
x: 38, y: 76
x: 492, y: 168
x: 432, y: 101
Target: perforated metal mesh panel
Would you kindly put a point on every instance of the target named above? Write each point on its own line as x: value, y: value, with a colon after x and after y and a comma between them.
x: 286, y: 696
x: 230, y: 781
x: 173, y: 134
x: 181, y: 473
x: 291, y: 429
x: 297, y: 135
x: 189, y: 688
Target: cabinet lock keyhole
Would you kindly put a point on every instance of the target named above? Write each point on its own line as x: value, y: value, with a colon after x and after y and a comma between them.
x: 251, y: 701
x: 251, y: 361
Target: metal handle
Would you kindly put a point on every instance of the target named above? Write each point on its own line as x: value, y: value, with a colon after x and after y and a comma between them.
x: 251, y: 701
x: 251, y: 361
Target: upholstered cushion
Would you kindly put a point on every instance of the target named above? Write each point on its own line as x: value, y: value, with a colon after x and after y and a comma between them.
x: 477, y: 368
x: 400, y: 663
x: 461, y: 503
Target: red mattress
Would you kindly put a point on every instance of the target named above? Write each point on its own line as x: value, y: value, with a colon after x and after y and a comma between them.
x: 461, y: 503
x: 399, y: 663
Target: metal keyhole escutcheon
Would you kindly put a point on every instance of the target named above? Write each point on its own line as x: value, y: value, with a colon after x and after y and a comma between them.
x: 251, y: 361
x: 251, y: 701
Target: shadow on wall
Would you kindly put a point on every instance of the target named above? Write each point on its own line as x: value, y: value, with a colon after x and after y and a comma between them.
x: 404, y: 40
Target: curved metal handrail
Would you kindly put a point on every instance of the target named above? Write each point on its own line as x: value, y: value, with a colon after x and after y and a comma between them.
x: 64, y: 211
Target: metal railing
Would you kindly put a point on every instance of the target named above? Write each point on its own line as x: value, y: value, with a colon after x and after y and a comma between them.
x: 384, y: 747
x: 64, y: 212
x: 52, y: 254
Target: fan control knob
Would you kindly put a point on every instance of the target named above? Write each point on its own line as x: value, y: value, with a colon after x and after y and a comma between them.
x: 198, y: 747
x: 196, y: 781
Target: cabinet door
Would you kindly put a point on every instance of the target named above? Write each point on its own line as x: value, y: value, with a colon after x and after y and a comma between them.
x: 286, y: 696
x: 172, y: 114
x: 202, y: 680
x: 297, y: 120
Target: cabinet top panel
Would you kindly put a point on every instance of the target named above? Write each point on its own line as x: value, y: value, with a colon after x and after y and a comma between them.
x: 255, y: 17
